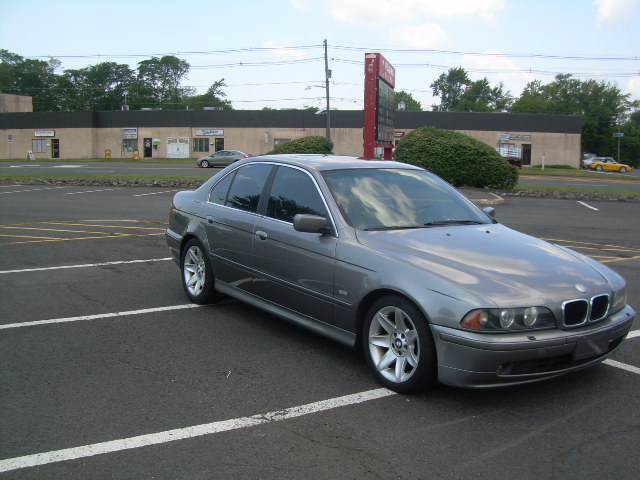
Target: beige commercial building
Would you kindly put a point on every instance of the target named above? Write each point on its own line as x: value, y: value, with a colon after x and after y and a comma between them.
x: 553, y: 139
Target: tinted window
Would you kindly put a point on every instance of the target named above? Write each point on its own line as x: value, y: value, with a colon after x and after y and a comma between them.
x: 247, y: 186
x: 219, y: 191
x: 294, y: 192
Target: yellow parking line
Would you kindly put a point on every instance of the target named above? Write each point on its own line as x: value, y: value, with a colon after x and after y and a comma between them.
x: 30, y: 236
x: 102, y: 225
x: 121, y: 235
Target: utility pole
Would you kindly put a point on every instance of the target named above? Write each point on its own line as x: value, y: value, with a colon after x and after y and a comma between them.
x: 327, y: 76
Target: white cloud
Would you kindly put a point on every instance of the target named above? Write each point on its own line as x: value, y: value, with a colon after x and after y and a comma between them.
x: 612, y: 12
x: 284, y: 50
x: 633, y: 88
x: 382, y: 13
x: 426, y: 36
x: 498, y: 68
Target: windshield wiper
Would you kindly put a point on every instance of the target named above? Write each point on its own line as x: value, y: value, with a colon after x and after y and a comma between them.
x: 392, y: 227
x: 453, y: 222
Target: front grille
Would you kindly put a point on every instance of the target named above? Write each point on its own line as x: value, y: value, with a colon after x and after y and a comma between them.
x: 599, y: 308
x: 580, y: 311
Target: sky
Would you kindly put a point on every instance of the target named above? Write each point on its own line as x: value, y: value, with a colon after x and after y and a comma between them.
x: 270, y: 53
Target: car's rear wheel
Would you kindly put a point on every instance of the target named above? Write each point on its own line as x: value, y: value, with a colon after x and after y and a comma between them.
x: 398, y: 345
x: 204, y: 164
x: 197, y: 274
x: 599, y: 168
x: 623, y: 170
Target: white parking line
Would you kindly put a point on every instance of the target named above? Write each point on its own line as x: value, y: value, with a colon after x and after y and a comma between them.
x: 155, y: 193
x: 188, y: 432
x: 30, y: 190
x: 92, y: 191
x: 98, y: 316
x: 588, y: 206
x: 102, y: 264
x: 623, y: 366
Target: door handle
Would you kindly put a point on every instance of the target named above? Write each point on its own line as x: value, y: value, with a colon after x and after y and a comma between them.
x: 261, y: 235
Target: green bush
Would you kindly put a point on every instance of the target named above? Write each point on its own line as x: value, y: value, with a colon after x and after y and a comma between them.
x: 457, y: 158
x: 305, y: 145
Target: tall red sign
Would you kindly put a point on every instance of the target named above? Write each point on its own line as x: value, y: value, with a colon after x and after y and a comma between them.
x: 379, y: 105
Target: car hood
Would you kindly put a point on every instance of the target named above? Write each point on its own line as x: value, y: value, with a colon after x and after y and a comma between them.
x: 493, y: 262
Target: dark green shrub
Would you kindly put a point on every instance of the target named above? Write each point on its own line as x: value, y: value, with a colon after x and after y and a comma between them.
x: 457, y: 158
x: 305, y: 145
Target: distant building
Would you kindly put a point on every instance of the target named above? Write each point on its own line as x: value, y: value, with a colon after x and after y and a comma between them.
x: 191, y: 133
x: 15, y: 103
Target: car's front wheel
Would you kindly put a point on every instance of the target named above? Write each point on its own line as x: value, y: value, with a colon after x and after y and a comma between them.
x: 197, y: 274
x: 398, y: 345
x: 204, y: 164
x: 623, y: 170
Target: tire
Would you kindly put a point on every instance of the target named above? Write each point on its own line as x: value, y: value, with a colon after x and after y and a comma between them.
x: 197, y: 275
x: 398, y: 345
x: 599, y: 168
x: 623, y: 170
x: 204, y: 164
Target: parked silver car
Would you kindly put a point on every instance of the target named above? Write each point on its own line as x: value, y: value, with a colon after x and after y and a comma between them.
x: 387, y: 257
x: 221, y: 158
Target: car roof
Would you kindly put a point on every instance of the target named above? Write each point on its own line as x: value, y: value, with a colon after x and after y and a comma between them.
x: 330, y: 162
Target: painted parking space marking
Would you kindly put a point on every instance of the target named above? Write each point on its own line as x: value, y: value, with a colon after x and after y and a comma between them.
x: 588, y: 206
x: 194, y: 431
x: 622, y: 366
x: 38, y: 232
x: 604, y: 253
x: 100, y: 316
x: 85, y: 265
x: 155, y: 193
x: 30, y: 190
x: 92, y: 191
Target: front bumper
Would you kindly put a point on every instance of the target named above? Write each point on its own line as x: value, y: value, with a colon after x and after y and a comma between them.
x: 469, y: 359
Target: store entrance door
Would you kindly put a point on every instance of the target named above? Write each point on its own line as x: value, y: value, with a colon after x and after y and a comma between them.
x: 55, y: 148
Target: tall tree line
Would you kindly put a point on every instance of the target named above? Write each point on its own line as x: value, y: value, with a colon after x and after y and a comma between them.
x: 157, y: 83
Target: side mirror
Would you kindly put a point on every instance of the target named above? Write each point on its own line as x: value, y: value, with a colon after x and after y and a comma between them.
x: 309, y: 223
x: 490, y: 211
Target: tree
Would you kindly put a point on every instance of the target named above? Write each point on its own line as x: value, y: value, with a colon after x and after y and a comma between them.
x: 158, y: 82
x: 34, y: 78
x: 104, y: 86
x: 480, y: 96
x: 458, y: 93
x: 449, y: 87
x: 602, y: 106
x: 410, y: 103
x: 214, y: 97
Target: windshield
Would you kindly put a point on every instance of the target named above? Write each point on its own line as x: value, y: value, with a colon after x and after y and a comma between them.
x: 394, y: 198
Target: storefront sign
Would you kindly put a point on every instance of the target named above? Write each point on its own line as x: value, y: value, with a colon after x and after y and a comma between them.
x: 209, y: 132
x: 45, y: 133
x: 521, y: 138
x: 129, y: 132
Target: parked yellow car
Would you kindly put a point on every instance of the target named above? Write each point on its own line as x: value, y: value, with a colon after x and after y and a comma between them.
x: 609, y: 164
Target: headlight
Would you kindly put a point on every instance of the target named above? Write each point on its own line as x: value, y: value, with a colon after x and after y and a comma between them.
x: 619, y: 300
x: 509, y: 319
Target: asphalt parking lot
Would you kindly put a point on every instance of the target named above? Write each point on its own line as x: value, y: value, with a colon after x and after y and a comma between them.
x: 108, y: 372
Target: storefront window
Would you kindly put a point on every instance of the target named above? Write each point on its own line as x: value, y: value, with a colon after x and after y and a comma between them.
x: 129, y: 144
x: 200, y: 144
x: 39, y: 146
